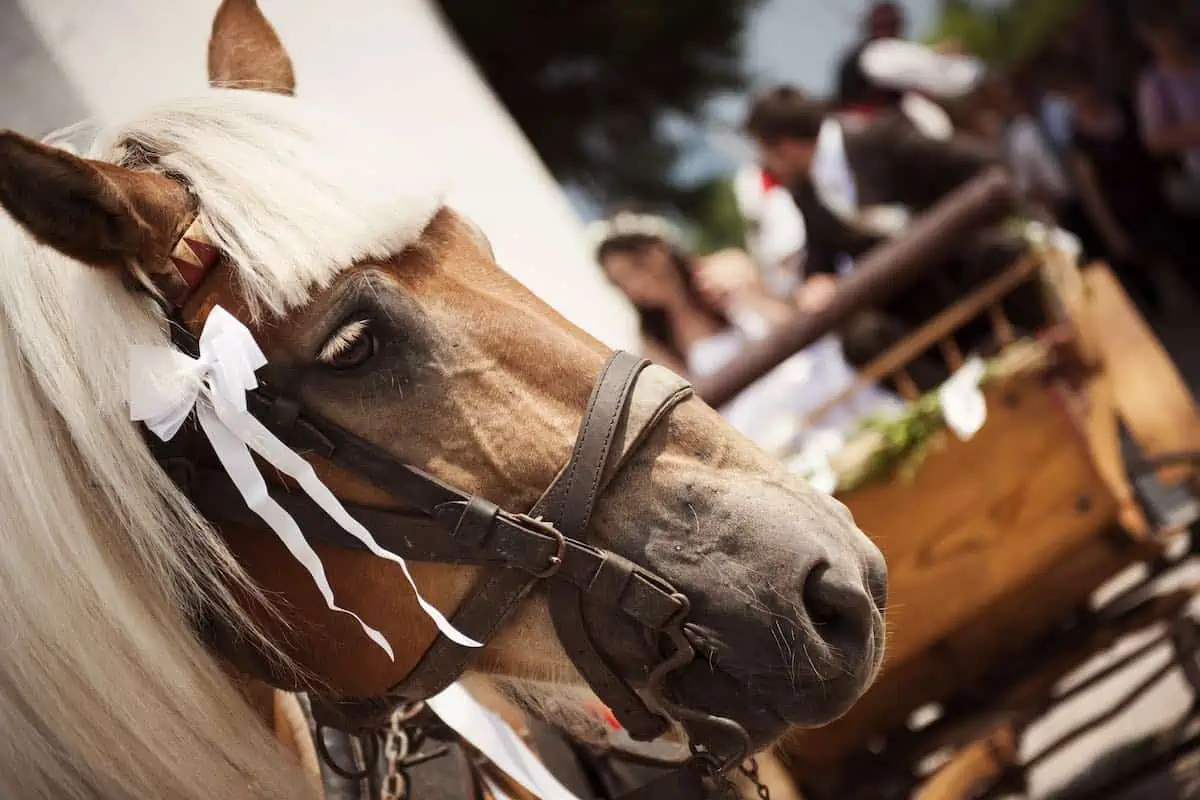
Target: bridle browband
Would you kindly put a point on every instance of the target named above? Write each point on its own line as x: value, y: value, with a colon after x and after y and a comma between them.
x: 439, y: 523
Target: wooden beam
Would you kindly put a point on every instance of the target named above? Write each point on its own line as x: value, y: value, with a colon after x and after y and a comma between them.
x: 934, y: 331
x: 930, y: 242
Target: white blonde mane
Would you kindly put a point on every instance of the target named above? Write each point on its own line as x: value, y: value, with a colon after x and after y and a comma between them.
x: 104, y: 690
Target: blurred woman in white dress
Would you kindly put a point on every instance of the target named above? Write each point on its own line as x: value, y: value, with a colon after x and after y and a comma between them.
x: 687, y: 331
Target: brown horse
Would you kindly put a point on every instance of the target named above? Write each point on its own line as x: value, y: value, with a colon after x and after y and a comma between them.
x: 389, y: 331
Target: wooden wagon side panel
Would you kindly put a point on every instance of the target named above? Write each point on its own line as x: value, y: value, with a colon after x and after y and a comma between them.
x: 981, y: 517
x: 974, y: 652
x: 992, y: 542
x: 1150, y: 393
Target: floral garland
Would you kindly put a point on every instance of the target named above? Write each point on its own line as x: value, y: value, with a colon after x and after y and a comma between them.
x: 896, y: 445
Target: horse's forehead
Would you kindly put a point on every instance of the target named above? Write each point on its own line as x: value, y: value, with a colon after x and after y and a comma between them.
x: 450, y: 237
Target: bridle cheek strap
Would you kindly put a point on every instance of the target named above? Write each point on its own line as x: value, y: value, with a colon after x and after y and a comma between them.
x: 517, y: 552
x: 628, y: 402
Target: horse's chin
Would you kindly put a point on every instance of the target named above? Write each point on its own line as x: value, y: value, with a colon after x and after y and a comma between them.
x: 710, y: 697
x: 575, y: 710
x: 764, y: 707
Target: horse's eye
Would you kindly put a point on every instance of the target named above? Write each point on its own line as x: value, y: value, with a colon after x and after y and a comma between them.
x: 352, y: 346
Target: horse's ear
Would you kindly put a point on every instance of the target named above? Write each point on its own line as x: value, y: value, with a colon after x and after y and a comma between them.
x: 97, y: 213
x: 246, y: 53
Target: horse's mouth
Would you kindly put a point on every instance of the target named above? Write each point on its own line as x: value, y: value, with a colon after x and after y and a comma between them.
x: 763, y: 701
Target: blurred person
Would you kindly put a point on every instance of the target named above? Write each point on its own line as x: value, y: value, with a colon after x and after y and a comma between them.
x: 1054, y: 114
x: 1040, y: 176
x: 775, y: 232
x: 644, y: 257
x: 885, y: 72
x: 1168, y: 92
x: 732, y: 282
x: 855, y: 89
x: 857, y: 184
x: 1121, y: 187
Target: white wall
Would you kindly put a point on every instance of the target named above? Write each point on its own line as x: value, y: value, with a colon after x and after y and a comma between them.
x: 389, y: 62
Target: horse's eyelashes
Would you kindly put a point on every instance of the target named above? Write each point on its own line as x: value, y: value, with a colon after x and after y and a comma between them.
x: 349, y: 346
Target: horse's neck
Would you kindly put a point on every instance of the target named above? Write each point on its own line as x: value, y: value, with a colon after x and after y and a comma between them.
x: 282, y: 713
x: 258, y: 695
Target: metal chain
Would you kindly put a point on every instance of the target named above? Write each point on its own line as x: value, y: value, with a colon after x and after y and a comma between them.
x: 397, y: 747
x: 749, y: 768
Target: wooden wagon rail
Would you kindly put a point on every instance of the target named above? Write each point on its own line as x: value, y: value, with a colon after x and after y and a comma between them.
x: 939, y: 331
x: 928, y: 244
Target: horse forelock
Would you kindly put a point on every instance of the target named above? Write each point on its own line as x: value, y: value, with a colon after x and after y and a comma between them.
x: 291, y: 194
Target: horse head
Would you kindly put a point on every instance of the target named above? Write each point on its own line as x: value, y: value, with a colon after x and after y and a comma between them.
x: 677, y: 571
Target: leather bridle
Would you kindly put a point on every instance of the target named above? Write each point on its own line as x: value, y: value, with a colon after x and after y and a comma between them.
x: 517, y: 551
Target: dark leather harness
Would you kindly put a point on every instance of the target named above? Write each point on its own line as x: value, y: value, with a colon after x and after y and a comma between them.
x: 518, y: 551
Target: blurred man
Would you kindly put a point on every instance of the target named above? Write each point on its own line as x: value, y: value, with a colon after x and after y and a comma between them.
x: 884, y: 72
x: 855, y: 90
x: 1168, y: 93
x: 856, y: 184
x: 775, y: 229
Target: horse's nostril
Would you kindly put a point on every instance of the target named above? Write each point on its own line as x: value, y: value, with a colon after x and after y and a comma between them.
x: 818, y: 601
x: 839, y: 608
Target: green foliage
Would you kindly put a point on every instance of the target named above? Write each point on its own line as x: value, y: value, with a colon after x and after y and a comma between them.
x: 717, y: 222
x: 906, y: 440
x: 589, y: 81
x: 1001, y: 33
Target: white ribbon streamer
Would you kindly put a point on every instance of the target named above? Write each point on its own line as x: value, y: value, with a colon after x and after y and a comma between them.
x: 490, y: 734
x: 215, y: 386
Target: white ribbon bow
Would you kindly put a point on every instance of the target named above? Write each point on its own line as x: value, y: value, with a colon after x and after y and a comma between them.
x: 215, y: 385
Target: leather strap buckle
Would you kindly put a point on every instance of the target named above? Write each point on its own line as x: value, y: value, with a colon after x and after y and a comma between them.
x: 555, y: 562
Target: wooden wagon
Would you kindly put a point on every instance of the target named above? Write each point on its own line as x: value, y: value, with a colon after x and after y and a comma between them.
x: 997, y: 544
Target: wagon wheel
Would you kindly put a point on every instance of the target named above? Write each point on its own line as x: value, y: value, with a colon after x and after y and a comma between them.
x: 1185, y: 638
x: 976, y: 770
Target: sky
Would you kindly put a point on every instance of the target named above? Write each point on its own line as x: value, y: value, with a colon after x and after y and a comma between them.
x: 799, y: 40
x: 792, y: 41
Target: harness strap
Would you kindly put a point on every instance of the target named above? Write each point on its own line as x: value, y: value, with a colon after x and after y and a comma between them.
x: 621, y: 410
x: 569, y: 503
x: 684, y: 783
x: 628, y: 401
x: 572, y: 497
